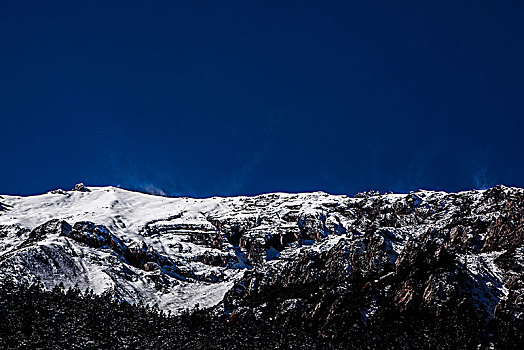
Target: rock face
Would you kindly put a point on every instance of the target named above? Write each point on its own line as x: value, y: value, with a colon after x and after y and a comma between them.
x: 340, y: 266
x: 451, y: 260
x: 52, y: 227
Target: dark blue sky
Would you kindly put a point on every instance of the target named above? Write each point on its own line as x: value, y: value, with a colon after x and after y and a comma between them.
x: 216, y: 97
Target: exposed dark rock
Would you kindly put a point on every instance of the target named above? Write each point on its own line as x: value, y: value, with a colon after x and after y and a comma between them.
x: 507, y: 230
x: 221, y: 260
x: 93, y: 235
x: 208, y: 239
x: 4, y: 206
x: 144, y: 257
x: 312, y: 225
x: 81, y: 188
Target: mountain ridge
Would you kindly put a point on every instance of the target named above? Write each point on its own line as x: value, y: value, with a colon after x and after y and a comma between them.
x: 329, y: 260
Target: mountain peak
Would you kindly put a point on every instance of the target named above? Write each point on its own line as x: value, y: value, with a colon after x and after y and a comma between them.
x: 373, y: 253
x: 80, y: 187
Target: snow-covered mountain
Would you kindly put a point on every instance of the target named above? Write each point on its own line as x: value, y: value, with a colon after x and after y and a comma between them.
x: 328, y: 257
x: 204, y: 245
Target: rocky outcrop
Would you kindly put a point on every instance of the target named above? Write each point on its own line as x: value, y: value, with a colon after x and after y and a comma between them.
x: 141, y: 256
x: 222, y: 260
x: 93, y: 235
x: 52, y: 227
x: 138, y: 255
x: 81, y: 188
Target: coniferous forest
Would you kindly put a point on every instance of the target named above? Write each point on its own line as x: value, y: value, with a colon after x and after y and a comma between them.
x: 33, y: 318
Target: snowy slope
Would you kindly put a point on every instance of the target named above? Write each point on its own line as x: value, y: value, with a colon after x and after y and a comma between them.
x: 202, y: 247
x: 126, y: 214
